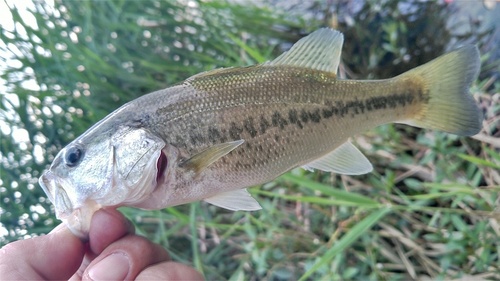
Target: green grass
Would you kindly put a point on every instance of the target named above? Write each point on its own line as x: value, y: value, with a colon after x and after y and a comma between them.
x: 429, y: 210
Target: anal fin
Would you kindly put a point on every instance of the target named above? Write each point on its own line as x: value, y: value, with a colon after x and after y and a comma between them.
x: 345, y: 159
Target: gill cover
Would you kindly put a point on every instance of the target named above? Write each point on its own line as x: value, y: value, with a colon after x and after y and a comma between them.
x: 135, y: 155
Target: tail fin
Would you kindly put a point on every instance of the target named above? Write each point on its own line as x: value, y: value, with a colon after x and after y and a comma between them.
x: 450, y: 107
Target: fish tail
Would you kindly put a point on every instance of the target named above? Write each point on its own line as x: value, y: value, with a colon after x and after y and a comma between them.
x: 445, y: 82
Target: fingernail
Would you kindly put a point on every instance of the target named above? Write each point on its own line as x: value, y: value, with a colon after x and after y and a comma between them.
x: 112, y: 267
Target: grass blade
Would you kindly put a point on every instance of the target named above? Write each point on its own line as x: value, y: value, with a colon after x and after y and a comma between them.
x: 348, y: 239
x: 317, y: 200
x: 340, y: 195
x: 194, y: 241
x: 259, y: 58
x: 479, y: 161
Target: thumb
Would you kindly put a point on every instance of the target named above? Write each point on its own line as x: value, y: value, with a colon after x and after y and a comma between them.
x: 56, y: 255
x: 170, y: 271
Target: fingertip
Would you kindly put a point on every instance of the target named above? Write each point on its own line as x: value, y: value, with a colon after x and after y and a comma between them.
x: 139, y: 252
x: 170, y: 271
x: 66, y: 252
x: 107, y: 226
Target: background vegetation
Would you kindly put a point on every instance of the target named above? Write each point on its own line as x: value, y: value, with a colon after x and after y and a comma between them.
x: 429, y: 210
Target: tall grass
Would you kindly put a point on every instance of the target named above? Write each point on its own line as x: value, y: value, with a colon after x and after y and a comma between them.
x: 428, y: 210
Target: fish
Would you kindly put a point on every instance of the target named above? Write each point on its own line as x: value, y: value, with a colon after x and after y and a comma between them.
x: 219, y: 132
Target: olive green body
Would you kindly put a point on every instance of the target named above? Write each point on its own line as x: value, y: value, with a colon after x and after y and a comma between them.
x: 224, y: 130
x: 287, y: 117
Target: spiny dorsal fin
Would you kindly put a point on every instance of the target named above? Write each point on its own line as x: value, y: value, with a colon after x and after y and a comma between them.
x: 320, y: 50
x: 202, y: 160
x: 345, y: 159
x: 210, y: 73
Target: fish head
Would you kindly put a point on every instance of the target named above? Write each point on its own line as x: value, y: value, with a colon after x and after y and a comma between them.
x: 103, y: 169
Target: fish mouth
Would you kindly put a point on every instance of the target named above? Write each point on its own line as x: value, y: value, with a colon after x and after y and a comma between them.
x: 54, y: 188
x: 76, y: 219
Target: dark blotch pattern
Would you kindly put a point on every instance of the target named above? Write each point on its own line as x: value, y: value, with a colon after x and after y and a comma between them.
x: 293, y: 117
x: 196, y: 138
x: 214, y: 135
x: 304, y: 116
x: 249, y: 126
x: 315, y: 116
x: 264, y: 125
x: 278, y: 121
x: 301, y: 117
x: 235, y: 131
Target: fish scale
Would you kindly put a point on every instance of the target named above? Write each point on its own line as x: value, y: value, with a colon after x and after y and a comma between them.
x: 318, y: 127
x: 261, y: 113
x: 222, y: 131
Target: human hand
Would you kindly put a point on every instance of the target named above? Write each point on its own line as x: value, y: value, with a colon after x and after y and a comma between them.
x: 113, y: 252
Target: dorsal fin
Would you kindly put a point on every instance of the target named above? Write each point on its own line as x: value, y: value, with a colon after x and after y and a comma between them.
x: 319, y: 50
x: 210, y: 72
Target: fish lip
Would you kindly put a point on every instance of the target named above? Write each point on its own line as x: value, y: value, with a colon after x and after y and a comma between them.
x: 53, y: 186
x: 74, y: 218
x: 46, y: 185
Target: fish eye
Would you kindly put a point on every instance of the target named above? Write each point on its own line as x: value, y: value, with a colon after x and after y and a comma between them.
x: 73, y: 156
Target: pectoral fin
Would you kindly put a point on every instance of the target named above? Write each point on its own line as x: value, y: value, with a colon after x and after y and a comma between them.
x: 202, y: 160
x: 346, y: 159
x: 236, y: 200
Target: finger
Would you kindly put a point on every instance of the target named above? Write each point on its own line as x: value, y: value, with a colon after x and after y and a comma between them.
x: 107, y: 226
x: 56, y: 255
x: 169, y: 271
x: 125, y: 258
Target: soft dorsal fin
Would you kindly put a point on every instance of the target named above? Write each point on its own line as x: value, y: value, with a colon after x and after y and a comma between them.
x: 345, y: 159
x: 236, y: 200
x: 319, y: 50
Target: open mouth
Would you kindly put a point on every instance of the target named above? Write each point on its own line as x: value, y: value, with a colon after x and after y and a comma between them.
x: 54, y: 188
x: 76, y: 218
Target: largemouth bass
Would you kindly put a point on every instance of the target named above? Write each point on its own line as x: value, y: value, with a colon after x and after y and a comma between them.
x: 222, y: 131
